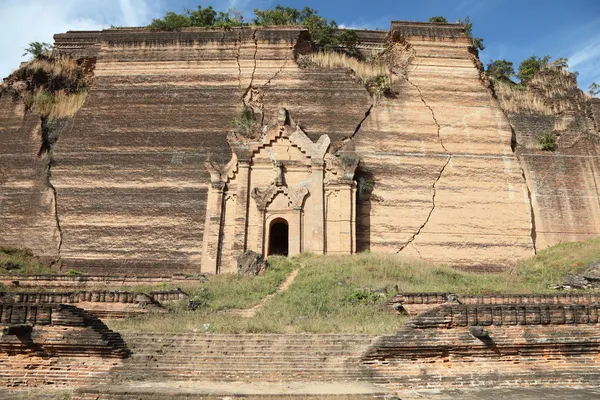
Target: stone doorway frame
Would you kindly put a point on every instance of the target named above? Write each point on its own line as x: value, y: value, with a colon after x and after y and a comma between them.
x: 269, y: 241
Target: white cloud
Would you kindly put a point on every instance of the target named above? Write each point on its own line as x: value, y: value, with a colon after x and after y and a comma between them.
x: 26, y: 21
x: 587, y: 62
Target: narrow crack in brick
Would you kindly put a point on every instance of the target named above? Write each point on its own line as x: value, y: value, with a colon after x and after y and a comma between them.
x: 434, y: 186
x: 531, y: 210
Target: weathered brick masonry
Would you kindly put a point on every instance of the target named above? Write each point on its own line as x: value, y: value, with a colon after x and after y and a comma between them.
x: 66, y: 347
x: 527, y: 344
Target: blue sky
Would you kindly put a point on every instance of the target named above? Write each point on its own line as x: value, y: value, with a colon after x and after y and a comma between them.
x: 512, y: 29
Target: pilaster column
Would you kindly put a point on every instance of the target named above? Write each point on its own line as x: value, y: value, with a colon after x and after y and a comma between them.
x: 211, y: 243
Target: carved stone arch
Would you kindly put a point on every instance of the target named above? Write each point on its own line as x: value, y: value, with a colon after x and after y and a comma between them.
x: 251, y: 191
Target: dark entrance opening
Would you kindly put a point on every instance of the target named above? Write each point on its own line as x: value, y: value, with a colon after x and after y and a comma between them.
x: 278, y: 237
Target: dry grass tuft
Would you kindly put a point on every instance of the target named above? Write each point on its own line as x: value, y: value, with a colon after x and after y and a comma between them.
x: 362, y: 70
x: 59, y: 66
x: 551, y: 91
x: 524, y: 101
x: 60, y: 104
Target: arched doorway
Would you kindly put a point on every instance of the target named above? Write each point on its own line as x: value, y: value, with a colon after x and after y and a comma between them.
x: 279, y: 237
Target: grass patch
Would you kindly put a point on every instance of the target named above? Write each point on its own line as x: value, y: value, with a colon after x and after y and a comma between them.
x: 329, y: 296
x: 220, y: 293
x: 21, y: 261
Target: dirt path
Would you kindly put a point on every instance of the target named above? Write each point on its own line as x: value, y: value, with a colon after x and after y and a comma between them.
x: 251, y: 312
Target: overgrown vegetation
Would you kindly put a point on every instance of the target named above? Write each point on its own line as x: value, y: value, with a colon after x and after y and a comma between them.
x: 594, y: 89
x: 379, y: 85
x: 202, y: 17
x: 501, y: 70
x: 21, y: 261
x: 477, y: 41
x: 545, y: 87
x: 530, y: 67
x: 56, y: 87
x: 375, y: 75
x: 324, y: 33
x: 348, y: 293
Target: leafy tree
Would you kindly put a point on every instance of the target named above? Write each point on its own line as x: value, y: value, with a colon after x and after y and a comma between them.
x: 500, y: 70
x: 170, y: 22
x: 203, y: 17
x: 37, y: 49
x: 477, y: 41
x: 594, y: 89
x: 323, y: 32
x: 349, y: 39
x: 282, y: 15
x: 561, y: 62
x: 531, y: 66
x: 438, y: 19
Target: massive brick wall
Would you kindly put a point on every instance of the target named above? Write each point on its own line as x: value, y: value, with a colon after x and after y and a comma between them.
x: 447, y: 185
x: 131, y: 185
x: 67, y: 347
x: 563, y: 183
x: 130, y: 176
x: 26, y: 200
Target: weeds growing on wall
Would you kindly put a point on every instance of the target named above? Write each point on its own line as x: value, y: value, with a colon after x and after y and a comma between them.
x: 547, y: 141
x: 245, y: 122
x: 379, y: 86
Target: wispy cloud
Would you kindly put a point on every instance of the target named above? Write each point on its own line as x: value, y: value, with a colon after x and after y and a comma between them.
x: 25, y: 21
x: 380, y: 23
x: 472, y: 7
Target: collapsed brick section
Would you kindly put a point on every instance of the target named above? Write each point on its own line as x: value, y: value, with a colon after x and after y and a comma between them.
x: 416, y: 303
x: 66, y: 347
x: 541, y: 344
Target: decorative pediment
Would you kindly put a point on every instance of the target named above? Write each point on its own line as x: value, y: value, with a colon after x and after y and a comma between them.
x: 246, y: 148
x: 264, y: 197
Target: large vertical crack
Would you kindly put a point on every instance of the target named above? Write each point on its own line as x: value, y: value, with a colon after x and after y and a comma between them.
x: 56, y: 214
x: 533, y: 233
x: 237, y: 59
x: 250, y: 86
x: 48, y: 140
x: 441, y: 173
x: 264, y: 88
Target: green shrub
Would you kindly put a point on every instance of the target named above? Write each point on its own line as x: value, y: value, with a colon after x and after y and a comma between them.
x: 245, y: 122
x: 547, y: 141
x: 438, y: 19
x: 74, y: 272
x: 38, y: 49
x: 378, y: 86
